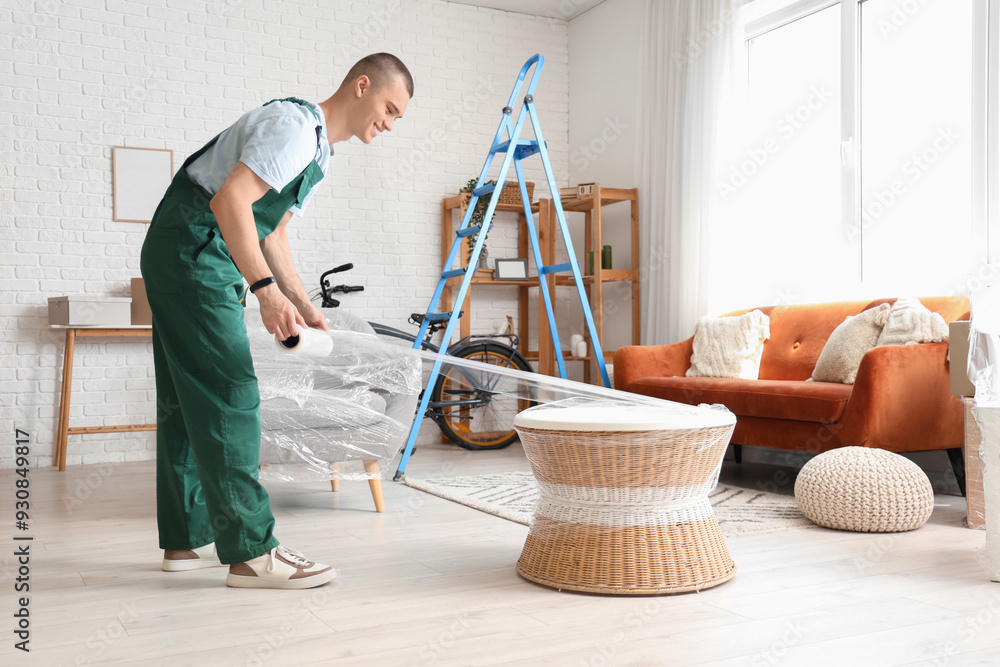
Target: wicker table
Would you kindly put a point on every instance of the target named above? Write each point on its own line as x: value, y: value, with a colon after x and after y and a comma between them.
x: 623, y: 505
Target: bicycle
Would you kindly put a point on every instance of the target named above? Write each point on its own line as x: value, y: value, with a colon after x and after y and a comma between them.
x: 463, y: 406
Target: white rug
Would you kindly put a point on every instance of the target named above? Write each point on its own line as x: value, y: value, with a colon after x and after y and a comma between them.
x: 513, y: 495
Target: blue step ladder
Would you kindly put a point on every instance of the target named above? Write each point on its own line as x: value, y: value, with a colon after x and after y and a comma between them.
x: 508, y: 142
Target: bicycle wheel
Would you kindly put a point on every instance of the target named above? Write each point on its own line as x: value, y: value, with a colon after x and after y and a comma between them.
x: 485, y: 419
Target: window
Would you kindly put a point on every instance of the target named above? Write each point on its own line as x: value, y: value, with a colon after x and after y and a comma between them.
x: 794, y: 117
x: 866, y: 136
x: 917, y: 231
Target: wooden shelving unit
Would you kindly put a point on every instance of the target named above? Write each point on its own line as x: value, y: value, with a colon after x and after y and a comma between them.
x: 591, y: 207
x: 484, y: 277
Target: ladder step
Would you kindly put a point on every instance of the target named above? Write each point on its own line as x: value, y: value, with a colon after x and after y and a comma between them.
x: 453, y: 273
x: 469, y: 231
x: 556, y: 268
x: 501, y: 147
x: 523, y: 148
x: 527, y: 149
x: 437, y: 317
x: 485, y: 190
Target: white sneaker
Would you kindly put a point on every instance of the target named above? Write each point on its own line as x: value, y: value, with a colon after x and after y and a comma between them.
x: 180, y: 560
x: 279, y: 568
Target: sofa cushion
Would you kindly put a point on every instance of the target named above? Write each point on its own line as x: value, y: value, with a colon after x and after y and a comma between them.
x: 729, y: 347
x: 910, y: 322
x: 848, y: 345
x: 774, y: 399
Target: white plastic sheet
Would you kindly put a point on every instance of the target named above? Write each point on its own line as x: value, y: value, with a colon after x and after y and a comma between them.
x: 354, y: 403
x: 984, y: 371
x: 357, y: 401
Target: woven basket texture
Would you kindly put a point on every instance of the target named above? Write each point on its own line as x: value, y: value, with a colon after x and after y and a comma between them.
x: 511, y: 192
x: 864, y: 490
x: 658, y: 535
x: 679, y: 457
x: 630, y: 561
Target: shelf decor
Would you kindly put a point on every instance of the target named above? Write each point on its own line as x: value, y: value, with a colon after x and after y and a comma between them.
x: 511, y: 269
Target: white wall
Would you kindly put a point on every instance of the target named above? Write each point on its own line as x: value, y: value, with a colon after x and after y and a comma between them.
x: 80, y: 76
x: 603, y: 75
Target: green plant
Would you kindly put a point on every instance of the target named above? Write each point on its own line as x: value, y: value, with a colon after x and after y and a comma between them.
x: 478, y: 214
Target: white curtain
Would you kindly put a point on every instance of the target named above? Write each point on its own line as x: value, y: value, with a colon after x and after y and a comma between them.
x: 686, y: 115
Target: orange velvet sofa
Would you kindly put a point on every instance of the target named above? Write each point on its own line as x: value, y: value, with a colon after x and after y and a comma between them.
x: 900, y: 400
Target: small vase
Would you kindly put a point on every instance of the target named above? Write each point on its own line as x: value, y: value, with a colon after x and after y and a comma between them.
x: 484, y: 257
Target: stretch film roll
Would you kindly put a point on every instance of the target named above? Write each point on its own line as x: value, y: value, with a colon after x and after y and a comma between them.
x: 308, y: 342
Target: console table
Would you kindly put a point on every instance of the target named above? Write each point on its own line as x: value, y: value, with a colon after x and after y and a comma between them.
x: 65, y: 430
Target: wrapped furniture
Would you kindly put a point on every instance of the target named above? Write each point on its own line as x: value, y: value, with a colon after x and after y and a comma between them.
x: 340, y: 407
x: 623, y: 497
x: 983, y: 366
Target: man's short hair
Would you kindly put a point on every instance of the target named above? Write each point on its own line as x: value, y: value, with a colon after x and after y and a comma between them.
x: 380, y: 68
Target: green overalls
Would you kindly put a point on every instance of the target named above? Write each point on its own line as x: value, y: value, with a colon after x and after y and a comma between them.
x: 208, y: 404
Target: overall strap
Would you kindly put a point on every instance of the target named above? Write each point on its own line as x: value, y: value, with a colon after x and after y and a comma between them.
x: 296, y: 100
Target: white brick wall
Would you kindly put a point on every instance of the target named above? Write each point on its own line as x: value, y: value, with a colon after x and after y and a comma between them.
x: 80, y: 76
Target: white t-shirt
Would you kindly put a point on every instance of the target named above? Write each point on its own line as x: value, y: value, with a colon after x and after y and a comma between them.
x: 277, y: 141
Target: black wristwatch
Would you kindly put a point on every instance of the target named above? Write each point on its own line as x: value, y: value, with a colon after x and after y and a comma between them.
x: 263, y: 282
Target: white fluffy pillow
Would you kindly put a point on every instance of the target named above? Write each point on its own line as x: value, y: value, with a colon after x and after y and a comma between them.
x: 729, y: 347
x: 910, y: 322
x: 847, y: 345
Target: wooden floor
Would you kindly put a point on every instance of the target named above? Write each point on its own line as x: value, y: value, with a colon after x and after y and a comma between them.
x: 430, y: 582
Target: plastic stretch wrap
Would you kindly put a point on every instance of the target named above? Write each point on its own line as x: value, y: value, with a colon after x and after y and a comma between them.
x: 612, y: 464
x: 984, y: 371
x: 355, y: 400
x: 347, y: 401
x: 473, y: 376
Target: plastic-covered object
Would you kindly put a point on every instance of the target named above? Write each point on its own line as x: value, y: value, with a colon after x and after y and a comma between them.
x: 341, y: 396
x: 623, y: 496
x: 984, y: 371
x: 611, y: 464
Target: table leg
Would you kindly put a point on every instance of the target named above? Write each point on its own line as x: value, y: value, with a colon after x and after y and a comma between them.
x: 67, y: 385
x: 335, y: 482
x: 375, y: 484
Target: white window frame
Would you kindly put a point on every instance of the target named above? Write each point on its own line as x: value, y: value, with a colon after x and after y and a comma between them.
x: 986, y: 146
x: 761, y: 16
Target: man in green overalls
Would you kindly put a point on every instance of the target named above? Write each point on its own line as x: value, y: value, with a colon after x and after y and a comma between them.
x: 222, y: 221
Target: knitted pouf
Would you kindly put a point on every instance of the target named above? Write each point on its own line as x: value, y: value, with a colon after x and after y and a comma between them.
x: 864, y: 490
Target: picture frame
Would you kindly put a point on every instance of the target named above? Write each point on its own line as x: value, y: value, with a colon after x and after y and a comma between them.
x: 139, y: 177
x: 511, y: 269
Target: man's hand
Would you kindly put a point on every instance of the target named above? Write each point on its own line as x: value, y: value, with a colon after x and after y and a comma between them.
x: 280, y: 317
x: 314, y: 317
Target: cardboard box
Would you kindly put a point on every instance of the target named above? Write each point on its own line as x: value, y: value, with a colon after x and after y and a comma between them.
x: 958, y: 359
x: 140, y: 304
x: 81, y: 310
x: 975, y: 500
